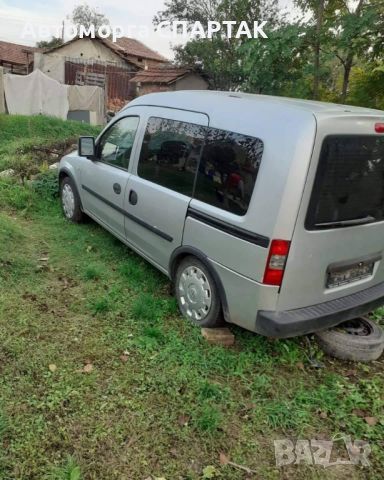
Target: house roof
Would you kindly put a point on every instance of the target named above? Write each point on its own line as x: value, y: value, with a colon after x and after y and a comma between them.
x: 125, y: 48
x: 165, y: 75
x: 136, y: 48
x: 16, y: 54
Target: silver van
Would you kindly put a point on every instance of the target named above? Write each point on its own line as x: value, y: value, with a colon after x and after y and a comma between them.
x: 265, y: 212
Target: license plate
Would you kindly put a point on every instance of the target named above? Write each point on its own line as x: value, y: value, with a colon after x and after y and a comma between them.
x: 338, y: 276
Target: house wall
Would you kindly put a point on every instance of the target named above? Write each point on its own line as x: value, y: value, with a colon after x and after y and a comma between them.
x: 2, y: 100
x: 191, y: 82
x: 51, y: 64
x: 152, y: 88
x: 88, y: 49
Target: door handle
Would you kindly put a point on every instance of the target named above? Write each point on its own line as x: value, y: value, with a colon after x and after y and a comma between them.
x: 117, y: 188
x: 132, y: 197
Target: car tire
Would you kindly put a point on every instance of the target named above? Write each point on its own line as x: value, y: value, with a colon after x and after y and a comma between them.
x: 70, y: 201
x: 197, y: 293
x: 359, y: 340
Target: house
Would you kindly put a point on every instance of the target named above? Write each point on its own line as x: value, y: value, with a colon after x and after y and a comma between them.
x: 165, y: 79
x: 126, y: 52
x: 16, y: 58
x: 125, y: 68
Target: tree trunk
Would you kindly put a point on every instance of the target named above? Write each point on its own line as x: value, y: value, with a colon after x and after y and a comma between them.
x: 347, y: 71
x: 316, y: 72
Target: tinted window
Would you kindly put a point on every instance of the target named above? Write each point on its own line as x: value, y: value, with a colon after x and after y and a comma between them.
x: 170, y: 153
x: 115, y: 146
x: 349, y: 183
x: 228, y: 170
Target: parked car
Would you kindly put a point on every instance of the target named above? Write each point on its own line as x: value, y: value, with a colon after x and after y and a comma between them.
x: 267, y: 212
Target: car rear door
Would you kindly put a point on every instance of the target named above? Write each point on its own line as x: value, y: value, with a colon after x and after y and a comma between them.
x: 337, y: 246
x: 160, y: 187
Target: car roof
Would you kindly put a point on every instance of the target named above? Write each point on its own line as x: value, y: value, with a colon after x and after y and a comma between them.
x: 208, y: 101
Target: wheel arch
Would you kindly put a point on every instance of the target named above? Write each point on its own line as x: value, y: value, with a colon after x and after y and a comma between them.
x: 65, y: 172
x: 185, y: 251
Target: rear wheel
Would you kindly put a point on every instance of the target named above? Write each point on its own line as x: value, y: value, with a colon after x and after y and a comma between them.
x: 197, y: 293
x: 70, y: 201
x: 359, y: 340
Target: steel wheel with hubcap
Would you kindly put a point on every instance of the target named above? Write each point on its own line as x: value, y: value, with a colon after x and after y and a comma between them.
x: 70, y: 200
x: 197, y: 294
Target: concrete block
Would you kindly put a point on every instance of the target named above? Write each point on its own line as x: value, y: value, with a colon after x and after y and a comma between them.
x: 218, y: 336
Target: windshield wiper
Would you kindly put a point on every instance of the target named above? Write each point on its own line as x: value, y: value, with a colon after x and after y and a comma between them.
x: 347, y: 223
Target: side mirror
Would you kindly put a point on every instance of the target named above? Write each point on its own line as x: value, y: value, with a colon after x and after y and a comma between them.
x: 87, y: 147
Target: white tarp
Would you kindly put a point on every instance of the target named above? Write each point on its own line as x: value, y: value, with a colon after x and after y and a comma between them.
x: 36, y: 94
x: 2, y: 104
x: 88, y: 98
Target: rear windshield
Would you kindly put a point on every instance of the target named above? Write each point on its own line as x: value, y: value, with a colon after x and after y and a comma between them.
x: 349, y: 183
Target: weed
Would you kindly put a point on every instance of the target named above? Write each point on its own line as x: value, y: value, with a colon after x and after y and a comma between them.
x: 207, y: 418
x: 70, y: 470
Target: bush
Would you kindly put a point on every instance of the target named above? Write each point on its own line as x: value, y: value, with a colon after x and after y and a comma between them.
x: 46, y: 184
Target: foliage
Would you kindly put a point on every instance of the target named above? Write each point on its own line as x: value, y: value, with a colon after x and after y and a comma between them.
x: 46, y: 184
x: 216, y: 57
x: 279, y: 64
x: 85, y: 15
x: 47, y: 44
x: 315, y: 54
x: 367, y: 86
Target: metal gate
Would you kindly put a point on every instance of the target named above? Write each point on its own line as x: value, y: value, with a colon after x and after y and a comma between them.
x: 115, y: 79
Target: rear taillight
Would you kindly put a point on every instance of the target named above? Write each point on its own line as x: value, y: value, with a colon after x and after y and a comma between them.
x: 379, y: 127
x: 277, y: 258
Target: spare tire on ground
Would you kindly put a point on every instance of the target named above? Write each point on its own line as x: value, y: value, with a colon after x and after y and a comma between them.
x: 360, y: 340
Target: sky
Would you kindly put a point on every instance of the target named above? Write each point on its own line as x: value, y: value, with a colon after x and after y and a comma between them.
x: 28, y: 21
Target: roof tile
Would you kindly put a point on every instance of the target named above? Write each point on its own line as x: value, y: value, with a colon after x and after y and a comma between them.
x: 16, y: 54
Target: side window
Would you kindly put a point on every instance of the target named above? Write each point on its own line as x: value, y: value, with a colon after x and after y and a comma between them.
x: 116, y: 144
x: 170, y: 153
x: 228, y: 170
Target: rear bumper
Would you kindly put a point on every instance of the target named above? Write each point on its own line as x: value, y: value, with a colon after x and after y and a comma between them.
x: 301, y: 321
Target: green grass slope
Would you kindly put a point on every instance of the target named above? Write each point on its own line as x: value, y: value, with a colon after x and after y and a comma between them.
x: 22, y: 136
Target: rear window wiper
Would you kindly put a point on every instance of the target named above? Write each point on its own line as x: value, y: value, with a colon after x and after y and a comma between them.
x: 347, y: 223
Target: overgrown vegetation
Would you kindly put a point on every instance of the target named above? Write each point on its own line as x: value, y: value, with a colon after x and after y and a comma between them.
x: 328, y: 50
x: 28, y: 144
x: 102, y: 379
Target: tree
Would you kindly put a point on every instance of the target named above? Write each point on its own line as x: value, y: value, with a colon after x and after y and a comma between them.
x: 85, y: 15
x: 47, y: 44
x: 367, y: 83
x: 217, y: 57
x: 358, y: 34
x: 318, y: 10
x: 279, y: 66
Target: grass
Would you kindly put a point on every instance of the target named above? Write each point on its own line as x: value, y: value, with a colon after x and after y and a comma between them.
x: 21, y: 139
x: 100, y: 378
x: 157, y: 401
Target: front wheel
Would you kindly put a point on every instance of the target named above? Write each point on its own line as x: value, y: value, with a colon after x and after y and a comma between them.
x: 70, y: 201
x: 197, y: 293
